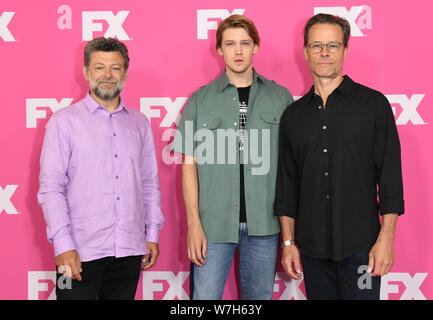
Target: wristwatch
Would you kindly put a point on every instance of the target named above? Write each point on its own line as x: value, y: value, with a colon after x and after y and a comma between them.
x: 287, y: 243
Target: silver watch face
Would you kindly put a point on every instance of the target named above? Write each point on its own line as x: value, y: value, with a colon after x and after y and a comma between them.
x: 287, y: 243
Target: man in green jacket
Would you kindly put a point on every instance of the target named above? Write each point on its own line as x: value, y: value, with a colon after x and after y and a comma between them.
x: 228, y: 134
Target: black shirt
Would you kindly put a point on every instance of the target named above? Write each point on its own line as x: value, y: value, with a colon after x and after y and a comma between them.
x: 338, y: 167
x: 243, y: 108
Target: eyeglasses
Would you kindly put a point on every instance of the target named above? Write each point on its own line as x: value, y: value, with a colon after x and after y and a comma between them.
x: 317, y: 46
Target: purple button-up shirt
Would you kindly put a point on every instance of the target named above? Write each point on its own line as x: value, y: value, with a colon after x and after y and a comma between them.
x: 99, y: 186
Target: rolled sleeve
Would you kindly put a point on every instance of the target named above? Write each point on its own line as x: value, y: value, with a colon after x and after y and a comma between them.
x: 286, y: 193
x: 388, y: 160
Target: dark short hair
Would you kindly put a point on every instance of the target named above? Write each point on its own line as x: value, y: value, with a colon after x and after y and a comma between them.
x: 107, y: 45
x: 237, y: 21
x: 329, y: 19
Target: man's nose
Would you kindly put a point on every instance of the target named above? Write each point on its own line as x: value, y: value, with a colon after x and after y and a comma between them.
x: 324, y: 51
x: 107, y: 72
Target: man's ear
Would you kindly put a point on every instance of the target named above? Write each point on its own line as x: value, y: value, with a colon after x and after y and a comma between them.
x: 306, y: 53
x: 220, y: 52
x: 86, y: 73
x: 256, y: 48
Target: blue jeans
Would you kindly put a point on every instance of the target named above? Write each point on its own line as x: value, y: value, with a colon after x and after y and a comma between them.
x: 257, y: 262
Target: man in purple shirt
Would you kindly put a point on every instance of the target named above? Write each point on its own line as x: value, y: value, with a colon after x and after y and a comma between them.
x: 99, y: 187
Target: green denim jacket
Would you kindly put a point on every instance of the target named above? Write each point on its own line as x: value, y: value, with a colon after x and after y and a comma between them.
x: 208, y: 130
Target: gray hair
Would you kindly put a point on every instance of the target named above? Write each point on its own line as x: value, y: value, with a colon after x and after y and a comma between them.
x: 107, y: 45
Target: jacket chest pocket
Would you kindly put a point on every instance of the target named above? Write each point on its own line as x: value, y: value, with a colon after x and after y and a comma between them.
x: 270, y: 119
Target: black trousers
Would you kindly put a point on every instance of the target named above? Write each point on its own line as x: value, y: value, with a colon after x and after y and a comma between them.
x: 103, y: 279
x: 343, y: 280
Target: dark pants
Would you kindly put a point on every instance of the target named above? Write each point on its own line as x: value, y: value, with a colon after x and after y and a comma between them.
x: 343, y: 280
x: 103, y: 279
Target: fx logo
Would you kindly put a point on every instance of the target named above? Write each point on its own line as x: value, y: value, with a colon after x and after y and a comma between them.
x: 153, y: 281
x: 412, y: 284
x: 5, y: 19
x: 46, y: 281
x: 203, y: 23
x: 5, y: 199
x: 115, y: 22
x: 32, y: 113
x: 408, y: 106
x: 171, y: 107
x: 291, y: 288
x: 359, y: 17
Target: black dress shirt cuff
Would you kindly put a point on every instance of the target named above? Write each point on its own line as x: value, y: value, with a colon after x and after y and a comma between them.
x: 281, y: 210
x: 391, y: 205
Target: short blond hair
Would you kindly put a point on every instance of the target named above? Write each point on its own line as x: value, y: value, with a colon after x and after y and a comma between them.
x: 237, y: 21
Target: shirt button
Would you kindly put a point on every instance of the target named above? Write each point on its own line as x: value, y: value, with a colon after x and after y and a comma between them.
x: 326, y: 174
x: 115, y: 155
x: 114, y: 134
x: 235, y: 123
x: 328, y: 196
x: 204, y: 124
x: 234, y: 98
x: 324, y: 127
x: 320, y: 107
x: 325, y: 150
x: 117, y: 177
x: 118, y: 198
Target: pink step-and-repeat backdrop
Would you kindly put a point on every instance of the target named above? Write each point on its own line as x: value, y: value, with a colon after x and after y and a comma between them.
x: 172, y: 50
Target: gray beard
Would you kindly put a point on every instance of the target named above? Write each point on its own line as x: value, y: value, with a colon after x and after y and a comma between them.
x: 106, y: 94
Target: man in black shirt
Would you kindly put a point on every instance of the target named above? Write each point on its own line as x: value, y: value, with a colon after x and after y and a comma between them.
x: 339, y: 166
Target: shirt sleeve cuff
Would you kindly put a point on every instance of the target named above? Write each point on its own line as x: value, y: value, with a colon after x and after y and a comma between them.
x: 391, y: 205
x: 152, y: 233
x: 284, y: 211
x: 63, y: 244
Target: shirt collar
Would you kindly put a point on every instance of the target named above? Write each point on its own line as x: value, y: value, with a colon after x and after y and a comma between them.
x: 344, y: 88
x: 92, y: 105
x: 223, y: 81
